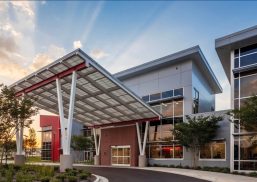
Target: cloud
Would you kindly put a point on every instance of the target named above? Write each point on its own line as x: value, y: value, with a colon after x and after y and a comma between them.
x: 43, y: 2
x: 24, y: 6
x: 43, y: 59
x: 98, y: 54
x: 77, y: 44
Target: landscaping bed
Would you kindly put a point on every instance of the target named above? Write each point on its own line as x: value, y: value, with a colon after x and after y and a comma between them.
x: 34, y: 173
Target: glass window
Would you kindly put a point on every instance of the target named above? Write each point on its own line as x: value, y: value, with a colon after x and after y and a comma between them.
x: 167, y: 94
x: 155, y: 151
x: 248, y: 147
x: 167, y: 109
x: 214, y: 150
x: 166, y: 151
x: 248, y: 86
x: 248, y: 49
x: 236, y: 88
x: 178, y: 151
x: 155, y: 96
x: 145, y: 98
x: 236, y: 52
x: 166, y: 132
x: 248, y: 60
x: 178, y: 108
x: 178, y: 92
x: 155, y: 131
x: 236, y: 63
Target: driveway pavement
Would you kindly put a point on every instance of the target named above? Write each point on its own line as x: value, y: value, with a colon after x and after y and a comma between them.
x: 138, y: 175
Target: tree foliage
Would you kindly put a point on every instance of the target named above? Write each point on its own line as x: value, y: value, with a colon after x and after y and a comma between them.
x: 79, y: 142
x: 30, y: 142
x: 196, y: 132
x: 247, y: 114
x: 15, y: 113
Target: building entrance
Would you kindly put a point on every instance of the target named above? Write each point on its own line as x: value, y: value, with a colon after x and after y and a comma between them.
x: 120, y: 155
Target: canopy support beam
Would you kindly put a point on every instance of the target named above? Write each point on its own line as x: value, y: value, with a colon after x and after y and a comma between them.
x: 142, y: 157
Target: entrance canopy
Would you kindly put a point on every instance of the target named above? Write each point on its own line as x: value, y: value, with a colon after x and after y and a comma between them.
x: 100, y: 99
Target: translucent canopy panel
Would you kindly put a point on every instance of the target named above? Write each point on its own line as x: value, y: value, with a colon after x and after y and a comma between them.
x: 100, y: 99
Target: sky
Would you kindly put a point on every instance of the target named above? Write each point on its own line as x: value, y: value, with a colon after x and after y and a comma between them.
x: 118, y: 35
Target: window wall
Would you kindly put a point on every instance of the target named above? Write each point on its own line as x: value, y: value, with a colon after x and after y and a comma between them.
x: 215, y: 150
x: 245, y: 86
x: 162, y: 151
x: 46, y: 151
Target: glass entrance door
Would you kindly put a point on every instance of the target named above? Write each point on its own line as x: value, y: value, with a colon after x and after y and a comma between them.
x: 120, y: 155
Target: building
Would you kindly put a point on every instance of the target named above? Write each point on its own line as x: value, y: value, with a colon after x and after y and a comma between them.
x: 176, y: 85
x: 51, y: 148
x: 132, y: 113
x: 238, y: 55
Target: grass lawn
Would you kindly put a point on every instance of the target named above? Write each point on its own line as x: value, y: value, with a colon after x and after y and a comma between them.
x: 34, y: 173
x: 33, y: 159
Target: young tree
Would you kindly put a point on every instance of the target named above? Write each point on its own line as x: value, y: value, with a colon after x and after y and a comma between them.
x: 247, y: 114
x: 79, y: 142
x: 15, y: 114
x: 196, y: 132
x: 30, y: 142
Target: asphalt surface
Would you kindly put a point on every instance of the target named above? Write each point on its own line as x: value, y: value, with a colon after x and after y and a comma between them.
x: 139, y: 175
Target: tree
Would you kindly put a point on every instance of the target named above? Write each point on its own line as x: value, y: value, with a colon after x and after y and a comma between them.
x: 80, y: 142
x: 30, y: 142
x: 247, y: 114
x: 196, y: 132
x: 15, y: 114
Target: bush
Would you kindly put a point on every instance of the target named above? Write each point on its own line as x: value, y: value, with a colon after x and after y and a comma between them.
x: 253, y: 174
x: 72, y: 178
x: 84, y: 175
x: 55, y: 180
x: 61, y: 177
x: 21, y: 177
x: 45, y: 179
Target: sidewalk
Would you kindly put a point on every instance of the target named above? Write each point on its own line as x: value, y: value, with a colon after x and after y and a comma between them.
x: 205, y: 175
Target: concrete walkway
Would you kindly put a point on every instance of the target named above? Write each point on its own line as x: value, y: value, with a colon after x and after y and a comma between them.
x: 205, y: 175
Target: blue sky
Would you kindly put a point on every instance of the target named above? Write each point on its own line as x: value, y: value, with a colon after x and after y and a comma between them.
x: 118, y: 35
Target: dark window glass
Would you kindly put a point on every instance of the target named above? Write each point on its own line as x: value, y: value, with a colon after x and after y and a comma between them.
x: 248, y: 86
x: 155, y: 96
x: 178, y: 151
x: 167, y: 94
x: 248, y: 60
x: 145, y: 98
x: 155, y: 151
x: 248, y: 49
x: 178, y: 120
x: 236, y: 165
x: 249, y: 165
x: 236, y: 52
x: 178, y: 92
x: 236, y: 63
x: 236, y: 88
x: 236, y: 75
x: 236, y: 126
x: 249, y: 72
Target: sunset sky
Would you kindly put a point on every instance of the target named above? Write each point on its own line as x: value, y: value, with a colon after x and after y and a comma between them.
x: 118, y: 35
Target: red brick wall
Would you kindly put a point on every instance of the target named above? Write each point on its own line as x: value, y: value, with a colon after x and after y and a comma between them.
x: 118, y: 136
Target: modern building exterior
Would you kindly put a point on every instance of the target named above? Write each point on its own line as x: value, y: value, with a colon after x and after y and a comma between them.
x: 132, y: 113
x: 51, y: 148
x: 238, y: 55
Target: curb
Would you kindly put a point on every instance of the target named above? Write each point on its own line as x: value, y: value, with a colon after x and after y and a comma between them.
x: 100, y: 178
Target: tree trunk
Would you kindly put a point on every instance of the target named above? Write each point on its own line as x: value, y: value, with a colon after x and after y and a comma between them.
x: 2, y: 156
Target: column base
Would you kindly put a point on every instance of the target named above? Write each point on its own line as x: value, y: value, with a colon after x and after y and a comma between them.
x: 142, y: 161
x: 97, y: 160
x: 66, y: 162
x: 19, y: 160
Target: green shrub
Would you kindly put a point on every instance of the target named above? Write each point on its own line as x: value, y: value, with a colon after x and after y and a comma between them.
x: 253, y: 174
x: 84, y: 175
x: 45, y: 179
x: 9, y: 175
x: 55, y: 180
x: 72, y: 178
x: 21, y: 177
x: 61, y: 176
